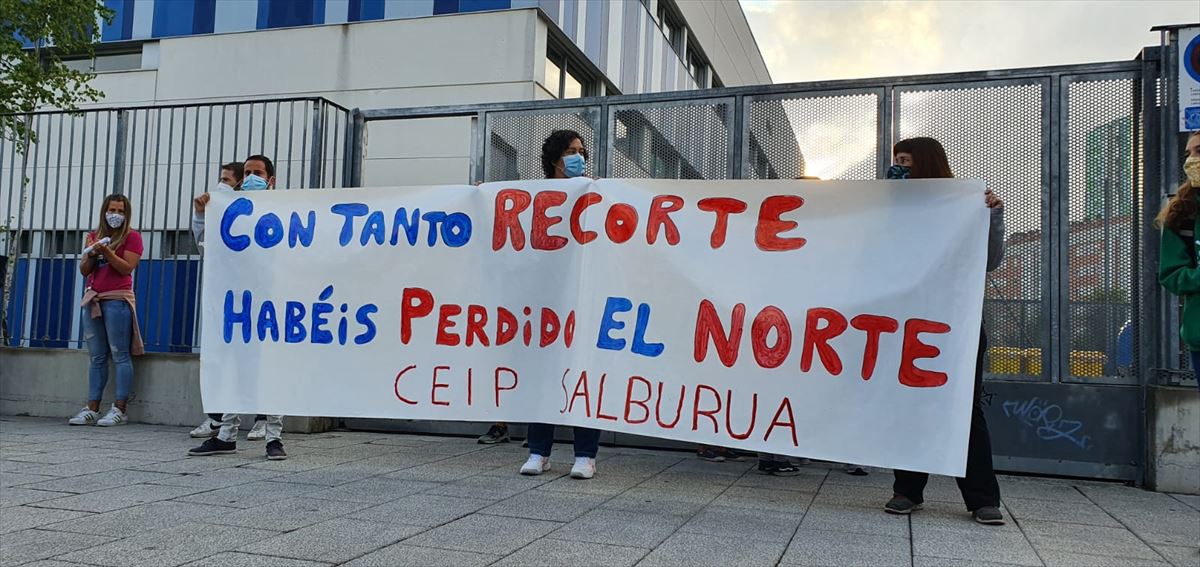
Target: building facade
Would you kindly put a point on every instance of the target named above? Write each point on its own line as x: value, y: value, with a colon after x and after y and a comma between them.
x: 408, y: 53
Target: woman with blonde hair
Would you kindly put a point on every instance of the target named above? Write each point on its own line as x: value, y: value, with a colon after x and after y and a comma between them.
x: 109, y: 309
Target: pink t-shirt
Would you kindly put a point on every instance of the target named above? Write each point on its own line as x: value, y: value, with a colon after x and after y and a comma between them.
x: 104, y: 278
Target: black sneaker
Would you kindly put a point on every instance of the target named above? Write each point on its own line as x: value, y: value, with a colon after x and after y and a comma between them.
x: 275, y: 451
x: 989, y: 515
x: 730, y: 455
x: 707, y: 454
x: 901, y: 505
x: 785, y: 469
x: 766, y: 467
x: 495, y: 434
x: 214, y: 446
x: 855, y: 470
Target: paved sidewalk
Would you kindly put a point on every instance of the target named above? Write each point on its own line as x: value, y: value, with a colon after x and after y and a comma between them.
x: 130, y: 496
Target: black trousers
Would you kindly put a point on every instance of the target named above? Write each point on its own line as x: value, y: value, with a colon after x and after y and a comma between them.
x: 979, y: 488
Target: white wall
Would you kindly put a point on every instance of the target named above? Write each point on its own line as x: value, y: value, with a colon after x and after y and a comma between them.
x: 721, y: 29
x: 466, y: 49
x: 441, y: 60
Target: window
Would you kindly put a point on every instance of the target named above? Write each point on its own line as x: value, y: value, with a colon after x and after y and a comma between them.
x: 180, y: 243
x: 567, y: 79
x: 181, y: 17
x: 288, y: 13
x: 697, y: 66
x: 62, y: 243
x: 572, y: 86
x: 105, y: 63
x: 672, y: 26
x: 25, y: 245
x: 553, y: 75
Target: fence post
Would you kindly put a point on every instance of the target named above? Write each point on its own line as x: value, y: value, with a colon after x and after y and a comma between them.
x: 883, y: 133
x: 316, y: 161
x: 1150, y: 322
x: 738, y: 141
x: 481, y: 138
x: 600, y: 126
x: 354, y: 146
x: 118, y: 179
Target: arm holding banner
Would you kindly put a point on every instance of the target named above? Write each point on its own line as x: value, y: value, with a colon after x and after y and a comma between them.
x: 198, y: 224
x: 995, y: 249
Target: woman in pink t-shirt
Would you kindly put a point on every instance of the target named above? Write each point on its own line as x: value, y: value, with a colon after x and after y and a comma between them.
x: 109, y: 310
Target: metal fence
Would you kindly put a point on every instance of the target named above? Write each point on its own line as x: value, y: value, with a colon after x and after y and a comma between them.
x: 160, y: 157
x: 1076, y: 321
x: 1058, y: 144
x: 1080, y: 154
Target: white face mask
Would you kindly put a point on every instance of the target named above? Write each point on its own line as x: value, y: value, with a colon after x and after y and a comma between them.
x: 115, y: 220
x: 222, y: 186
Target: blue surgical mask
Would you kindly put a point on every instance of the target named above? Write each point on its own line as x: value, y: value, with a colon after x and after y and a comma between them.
x: 898, y: 172
x: 573, y: 165
x: 253, y: 183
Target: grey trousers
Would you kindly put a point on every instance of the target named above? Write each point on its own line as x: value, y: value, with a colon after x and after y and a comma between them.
x: 230, y: 422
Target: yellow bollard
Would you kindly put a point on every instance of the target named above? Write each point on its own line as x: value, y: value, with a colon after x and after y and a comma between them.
x: 1005, y: 360
x: 1088, y: 363
x: 1033, y: 361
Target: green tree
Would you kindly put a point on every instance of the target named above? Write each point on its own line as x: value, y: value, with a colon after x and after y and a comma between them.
x: 33, y: 78
x: 36, y: 78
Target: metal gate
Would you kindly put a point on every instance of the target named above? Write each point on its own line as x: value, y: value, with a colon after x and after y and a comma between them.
x: 160, y: 157
x: 1081, y: 154
x: 1067, y: 313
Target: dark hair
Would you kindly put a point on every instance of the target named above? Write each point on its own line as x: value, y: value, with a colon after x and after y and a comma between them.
x: 552, y: 149
x: 928, y: 158
x: 238, y: 170
x: 266, y: 161
x: 1179, y: 214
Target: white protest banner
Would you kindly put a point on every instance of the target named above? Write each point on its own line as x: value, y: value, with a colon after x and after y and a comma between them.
x: 833, y: 320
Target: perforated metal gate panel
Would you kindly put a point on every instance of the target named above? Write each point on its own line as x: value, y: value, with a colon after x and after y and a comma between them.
x: 685, y: 140
x: 995, y: 132
x: 829, y: 137
x: 1099, y: 228
x: 514, y: 141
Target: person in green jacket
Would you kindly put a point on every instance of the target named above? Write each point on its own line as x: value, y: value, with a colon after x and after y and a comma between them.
x: 1178, y: 256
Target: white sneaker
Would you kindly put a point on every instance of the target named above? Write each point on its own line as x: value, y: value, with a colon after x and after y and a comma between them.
x: 536, y: 465
x: 209, y: 428
x: 258, y: 432
x: 584, y: 468
x: 84, y: 417
x: 112, y: 418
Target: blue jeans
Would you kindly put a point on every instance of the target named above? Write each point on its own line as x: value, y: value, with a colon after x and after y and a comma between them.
x: 111, y: 333
x: 541, y: 439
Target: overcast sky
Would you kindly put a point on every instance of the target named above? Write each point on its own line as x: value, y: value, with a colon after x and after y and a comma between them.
x: 811, y: 40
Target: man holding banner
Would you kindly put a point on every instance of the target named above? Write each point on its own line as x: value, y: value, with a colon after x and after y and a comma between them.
x: 258, y: 175
x: 751, y: 314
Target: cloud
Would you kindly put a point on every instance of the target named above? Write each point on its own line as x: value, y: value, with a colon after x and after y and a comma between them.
x: 824, y: 40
